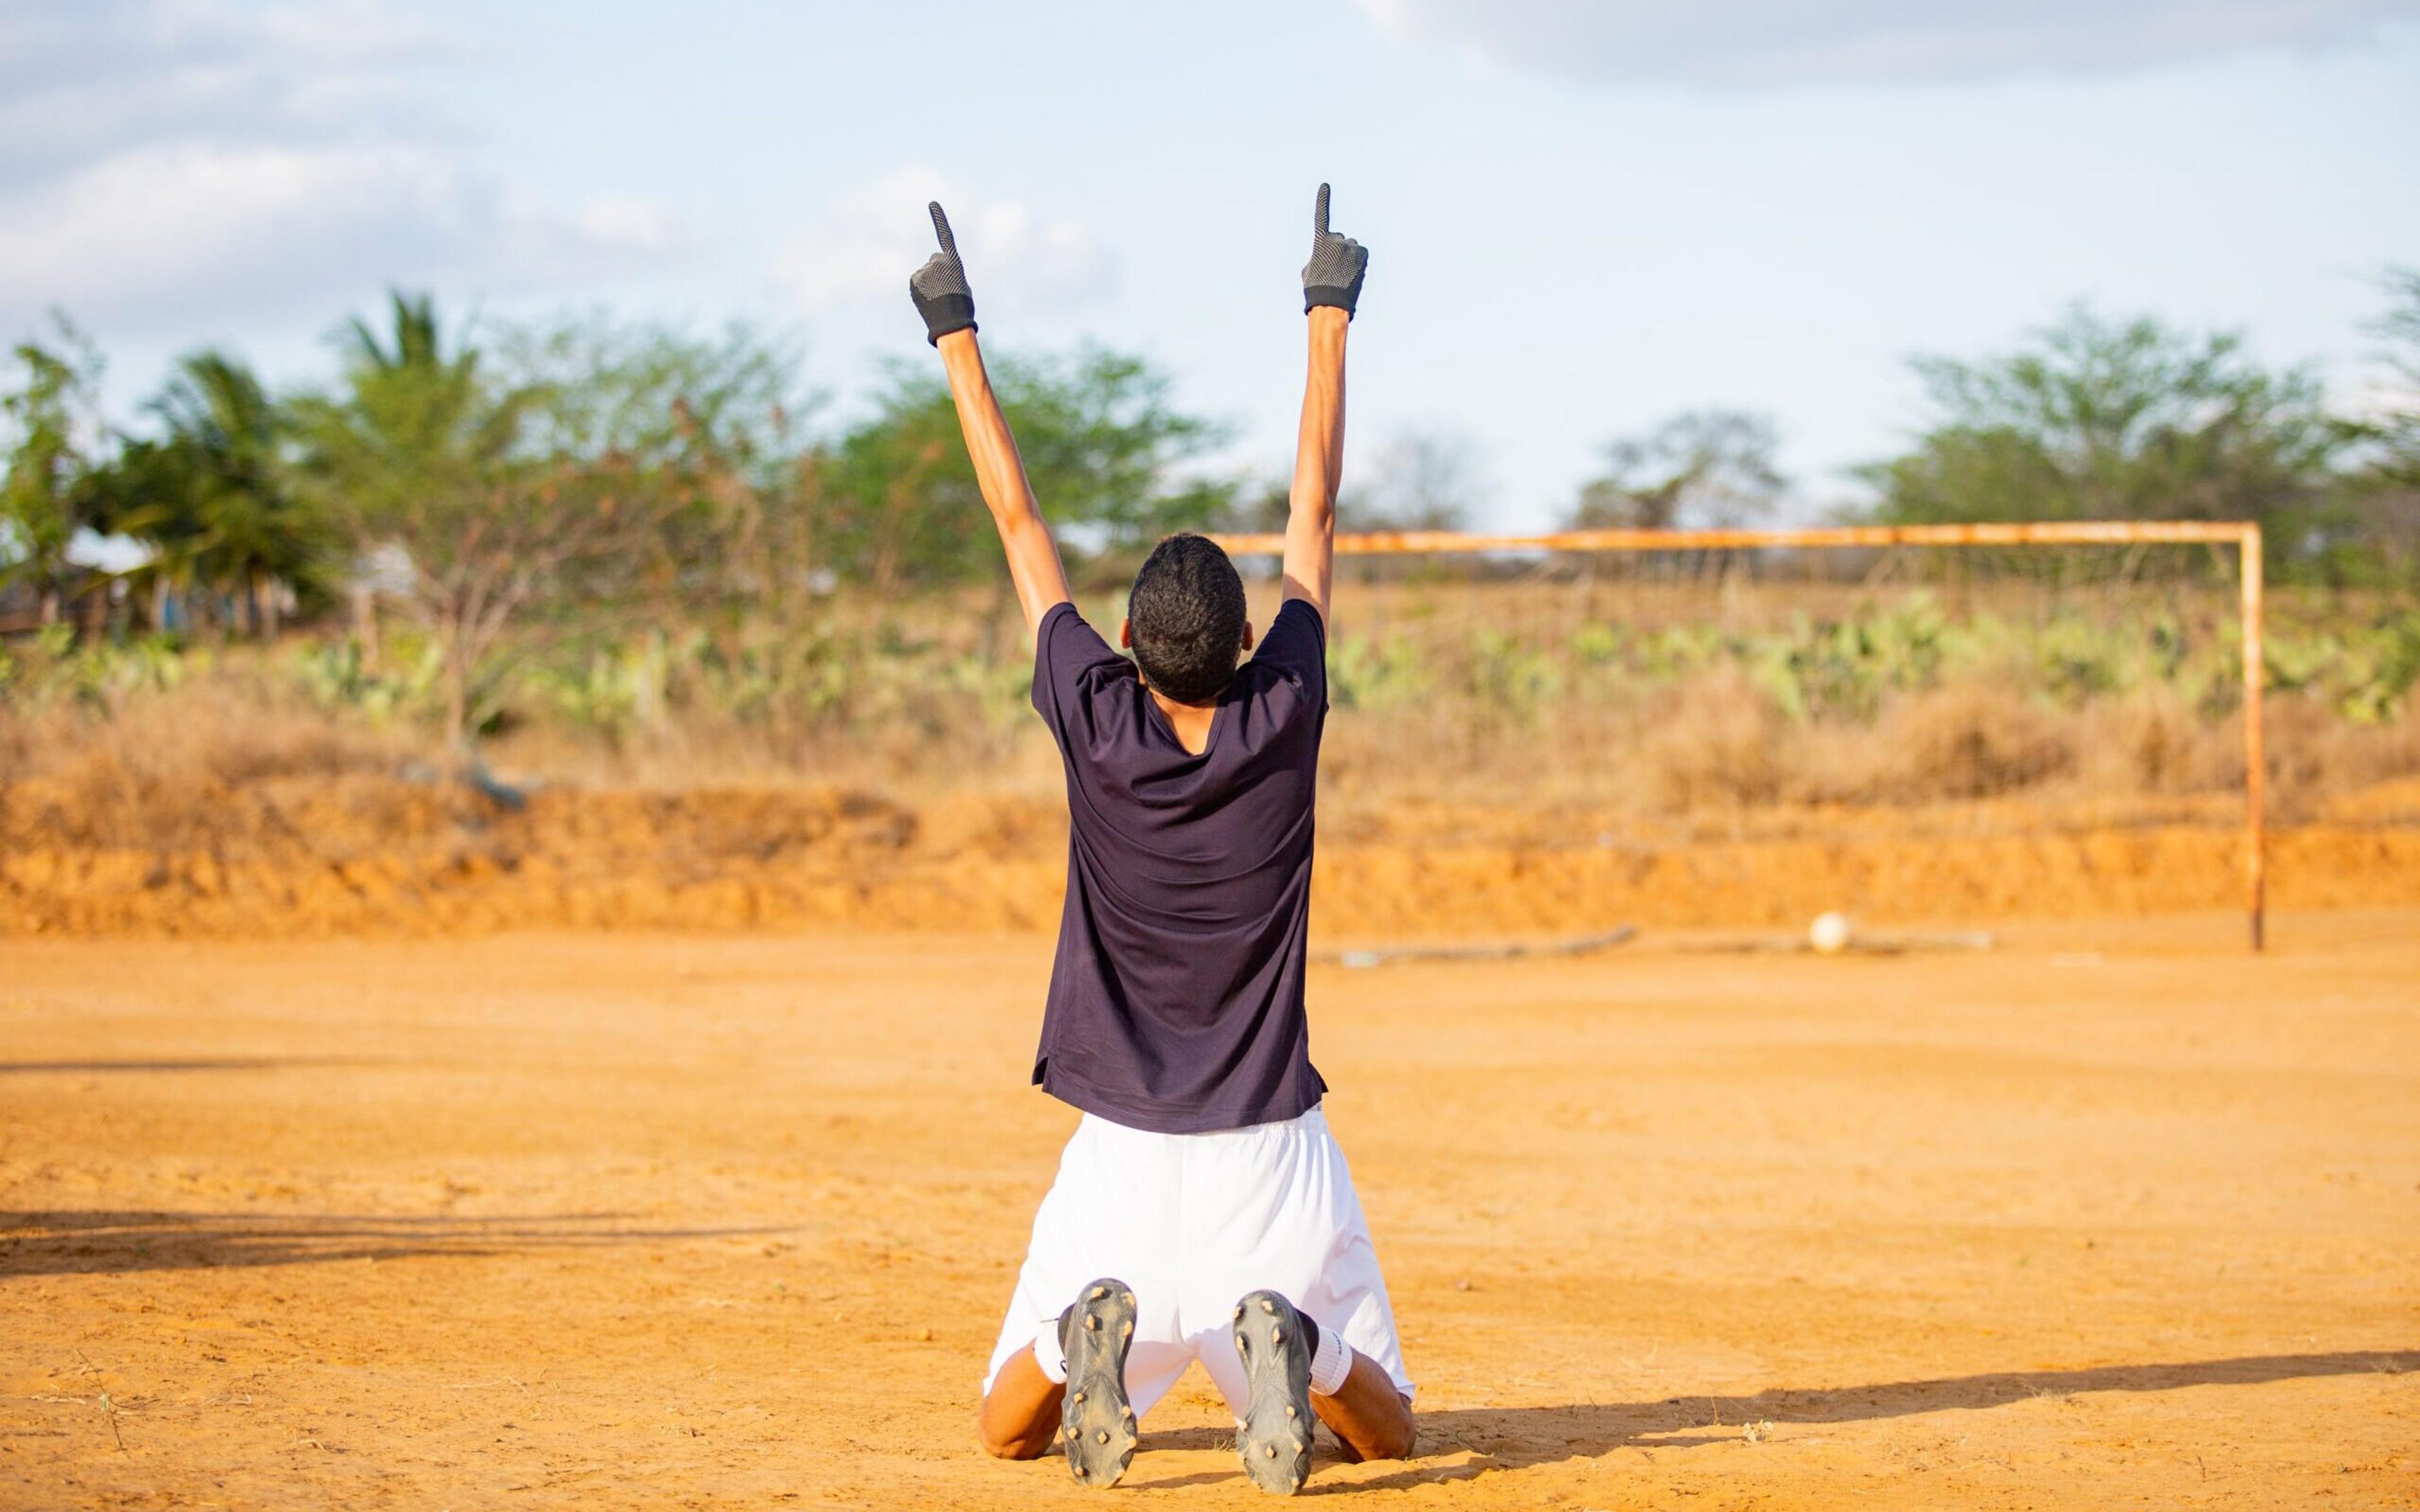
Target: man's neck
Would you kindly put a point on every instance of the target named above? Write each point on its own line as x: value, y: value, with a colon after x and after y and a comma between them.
x: 1192, y: 721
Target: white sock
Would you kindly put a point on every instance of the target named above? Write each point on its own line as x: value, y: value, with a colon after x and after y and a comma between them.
x: 1330, y: 1363
x: 1051, y: 1354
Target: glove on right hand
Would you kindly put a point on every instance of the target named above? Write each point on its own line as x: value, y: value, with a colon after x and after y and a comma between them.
x: 939, y: 287
x: 1333, y: 275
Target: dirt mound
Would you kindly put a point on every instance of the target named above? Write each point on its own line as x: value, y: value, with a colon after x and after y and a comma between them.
x: 362, y: 854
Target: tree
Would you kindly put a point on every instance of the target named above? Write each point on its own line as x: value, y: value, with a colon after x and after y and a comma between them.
x: 213, y: 495
x: 1101, y: 440
x: 589, y: 467
x: 2384, y: 495
x: 424, y: 453
x: 1701, y: 468
x: 2104, y: 419
x: 1421, y: 480
x: 701, y: 439
x: 45, y: 492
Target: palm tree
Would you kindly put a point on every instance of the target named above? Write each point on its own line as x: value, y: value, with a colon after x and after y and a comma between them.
x: 412, y: 453
x: 241, y: 526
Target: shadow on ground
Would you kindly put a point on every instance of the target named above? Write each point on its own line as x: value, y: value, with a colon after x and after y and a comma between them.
x: 1517, y: 1437
x: 91, y: 1068
x: 72, y: 1243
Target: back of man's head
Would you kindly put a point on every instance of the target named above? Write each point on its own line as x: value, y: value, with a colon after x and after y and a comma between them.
x: 1186, y: 614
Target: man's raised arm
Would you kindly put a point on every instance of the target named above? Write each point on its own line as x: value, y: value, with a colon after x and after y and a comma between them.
x: 948, y: 306
x: 1331, y: 286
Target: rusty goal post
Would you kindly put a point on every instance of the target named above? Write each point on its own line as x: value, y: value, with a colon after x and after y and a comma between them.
x: 2244, y: 536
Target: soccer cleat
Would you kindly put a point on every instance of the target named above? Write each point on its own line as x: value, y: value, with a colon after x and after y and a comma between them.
x: 1274, y: 1434
x: 1095, y: 1422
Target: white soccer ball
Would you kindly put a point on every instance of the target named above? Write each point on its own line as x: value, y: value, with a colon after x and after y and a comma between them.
x: 1829, y: 934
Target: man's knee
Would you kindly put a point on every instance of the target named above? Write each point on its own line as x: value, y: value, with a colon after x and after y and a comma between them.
x: 1393, y: 1439
x: 1008, y: 1448
x: 1017, y: 1441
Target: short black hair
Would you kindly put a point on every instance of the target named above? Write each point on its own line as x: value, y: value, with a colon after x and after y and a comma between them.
x: 1187, y: 613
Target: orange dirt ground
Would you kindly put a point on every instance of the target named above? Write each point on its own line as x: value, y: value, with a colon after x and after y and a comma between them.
x: 2114, y: 1216
x: 290, y: 858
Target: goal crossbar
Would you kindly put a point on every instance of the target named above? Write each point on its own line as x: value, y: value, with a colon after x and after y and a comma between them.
x: 2243, y: 535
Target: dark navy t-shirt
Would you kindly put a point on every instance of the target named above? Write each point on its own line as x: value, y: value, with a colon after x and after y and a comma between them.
x: 1176, y: 999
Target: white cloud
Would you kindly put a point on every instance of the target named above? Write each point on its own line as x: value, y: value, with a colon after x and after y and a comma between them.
x: 78, y: 81
x: 181, y: 161
x: 192, y: 228
x: 1777, y: 43
x: 872, y: 238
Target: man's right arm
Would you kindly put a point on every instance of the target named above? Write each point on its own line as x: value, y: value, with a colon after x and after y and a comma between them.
x: 1331, y: 286
x: 1033, y: 564
x: 948, y: 306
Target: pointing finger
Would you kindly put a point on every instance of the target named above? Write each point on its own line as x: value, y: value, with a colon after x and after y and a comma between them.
x: 1319, y: 215
x: 942, y: 230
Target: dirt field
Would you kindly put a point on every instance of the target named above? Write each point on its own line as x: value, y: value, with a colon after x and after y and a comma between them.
x: 306, y: 857
x: 2114, y: 1216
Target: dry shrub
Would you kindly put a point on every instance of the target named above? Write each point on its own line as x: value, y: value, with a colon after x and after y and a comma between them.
x: 1968, y: 740
x: 2311, y: 753
x: 2154, y: 740
x: 909, y: 756
x: 1720, y: 743
x: 157, y: 769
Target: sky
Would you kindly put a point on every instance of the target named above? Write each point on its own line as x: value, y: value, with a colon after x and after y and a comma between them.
x: 1583, y: 217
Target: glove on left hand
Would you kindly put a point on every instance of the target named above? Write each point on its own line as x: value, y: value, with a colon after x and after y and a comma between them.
x: 1333, y: 275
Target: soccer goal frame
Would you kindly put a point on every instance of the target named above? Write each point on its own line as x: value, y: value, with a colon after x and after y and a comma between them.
x: 2243, y: 535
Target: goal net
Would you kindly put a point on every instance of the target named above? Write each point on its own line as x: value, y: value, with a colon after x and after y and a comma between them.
x: 1952, y: 724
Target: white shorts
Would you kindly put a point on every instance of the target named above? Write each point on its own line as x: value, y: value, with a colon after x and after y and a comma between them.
x: 1193, y: 1222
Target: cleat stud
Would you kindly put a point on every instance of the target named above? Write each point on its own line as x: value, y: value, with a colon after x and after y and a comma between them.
x: 1239, y: 1311
x: 1093, y: 1321
x: 1129, y: 1299
x: 1268, y: 1307
x: 1277, y: 1336
x: 1078, y: 1397
x: 1125, y: 1331
x: 1271, y: 1450
x: 1096, y: 1293
x: 1103, y: 1436
x: 1290, y: 1409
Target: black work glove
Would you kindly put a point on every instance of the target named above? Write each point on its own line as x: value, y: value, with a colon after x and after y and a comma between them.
x: 939, y: 287
x: 1333, y: 275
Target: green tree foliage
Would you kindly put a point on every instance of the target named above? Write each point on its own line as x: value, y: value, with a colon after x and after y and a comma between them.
x: 213, y: 495
x: 2385, y: 494
x: 699, y: 439
x: 418, y: 455
x: 45, y: 490
x: 1102, y: 444
x: 2102, y: 419
x: 1701, y: 468
x: 586, y: 466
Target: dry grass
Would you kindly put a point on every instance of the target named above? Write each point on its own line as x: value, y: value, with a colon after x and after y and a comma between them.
x: 165, y: 769
x: 146, y: 765
x: 1653, y: 698
x: 1717, y: 743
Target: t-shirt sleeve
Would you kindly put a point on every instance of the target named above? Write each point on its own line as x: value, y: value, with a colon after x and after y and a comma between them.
x: 1066, y: 653
x: 1297, y: 647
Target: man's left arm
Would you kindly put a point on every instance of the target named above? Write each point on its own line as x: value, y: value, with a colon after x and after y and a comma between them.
x: 948, y: 306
